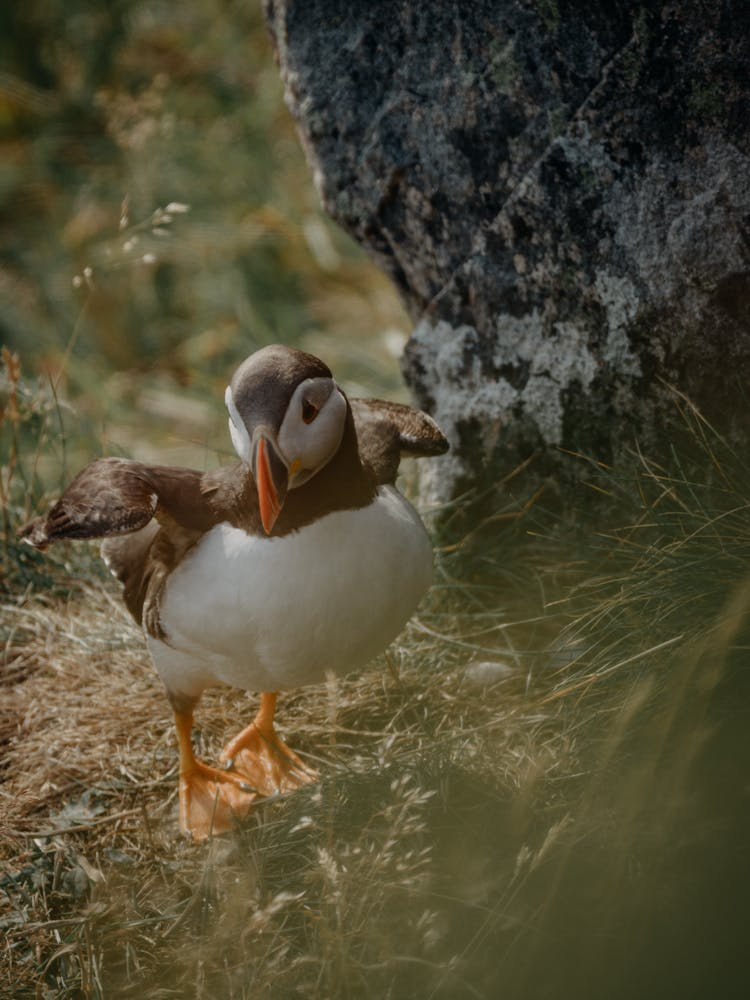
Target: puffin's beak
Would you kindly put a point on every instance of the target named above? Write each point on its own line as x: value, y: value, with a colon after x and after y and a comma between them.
x: 271, y: 479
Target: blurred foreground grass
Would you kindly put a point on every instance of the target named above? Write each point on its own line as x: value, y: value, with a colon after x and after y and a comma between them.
x: 541, y: 791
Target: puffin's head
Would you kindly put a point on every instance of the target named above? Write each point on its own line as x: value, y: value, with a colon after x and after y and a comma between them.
x: 286, y: 418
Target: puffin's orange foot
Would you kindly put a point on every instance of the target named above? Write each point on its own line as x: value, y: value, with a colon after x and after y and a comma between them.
x: 265, y: 762
x: 210, y: 800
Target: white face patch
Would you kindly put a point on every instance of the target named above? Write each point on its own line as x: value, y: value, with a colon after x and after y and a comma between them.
x: 308, y: 445
x: 237, y: 429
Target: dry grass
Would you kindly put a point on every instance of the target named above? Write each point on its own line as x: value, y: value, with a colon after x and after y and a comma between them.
x: 336, y: 890
x: 528, y: 778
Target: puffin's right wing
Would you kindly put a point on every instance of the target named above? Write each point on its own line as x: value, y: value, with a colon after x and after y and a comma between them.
x: 115, y: 496
x: 386, y: 431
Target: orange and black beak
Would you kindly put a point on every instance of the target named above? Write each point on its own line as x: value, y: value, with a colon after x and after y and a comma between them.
x: 271, y: 479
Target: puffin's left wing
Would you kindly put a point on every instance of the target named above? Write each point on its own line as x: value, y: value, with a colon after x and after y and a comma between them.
x: 114, y: 496
x: 386, y: 431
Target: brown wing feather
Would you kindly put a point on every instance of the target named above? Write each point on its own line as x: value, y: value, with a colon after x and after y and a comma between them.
x: 114, y: 496
x: 107, y: 497
x: 386, y: 431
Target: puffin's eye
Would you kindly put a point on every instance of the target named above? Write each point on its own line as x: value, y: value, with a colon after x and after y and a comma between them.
x: 309, y: 411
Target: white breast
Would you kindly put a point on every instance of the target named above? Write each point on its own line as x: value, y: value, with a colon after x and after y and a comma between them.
x: 272, y: 613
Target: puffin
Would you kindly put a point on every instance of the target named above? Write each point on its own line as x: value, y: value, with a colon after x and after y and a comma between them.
x: 299, y: 559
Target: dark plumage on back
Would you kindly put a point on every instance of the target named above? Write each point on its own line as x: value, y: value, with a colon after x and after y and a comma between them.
x: 150, y: 515
x: 116, y: 496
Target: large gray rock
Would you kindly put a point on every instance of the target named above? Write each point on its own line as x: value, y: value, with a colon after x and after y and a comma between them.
x: 561, y: 191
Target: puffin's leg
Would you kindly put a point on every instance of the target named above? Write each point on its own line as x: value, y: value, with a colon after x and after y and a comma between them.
x: 210, y: 798
x: 262, y: 758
